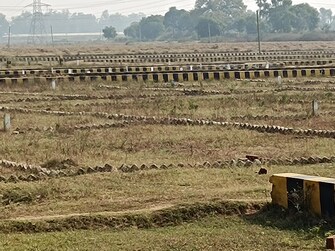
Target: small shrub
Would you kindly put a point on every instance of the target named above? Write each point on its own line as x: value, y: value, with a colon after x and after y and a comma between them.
x: 15, y: 196
x: 192, y: 105
x: 328, y: 94
x: 300, y: 199
x: 284, y: 99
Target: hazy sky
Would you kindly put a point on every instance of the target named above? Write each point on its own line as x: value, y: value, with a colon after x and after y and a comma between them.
x: 15, y: 7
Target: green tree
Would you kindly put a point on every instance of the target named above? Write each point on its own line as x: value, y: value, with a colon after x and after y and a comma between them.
x: 151, y: 27
x: 228, y: 8
x: 59, y: 20
x: 133, y: 30
x: 306, y: 17
x: 208, y: 28
x: 21, y: 24
x: 81, y: 22
x: 251, y: 23
x: 332, y: 25
x: 104, y: 19
x: 120, y: 22
x: 282, y: 16
x: 264, y: 7
x: 178, y: 21
x: 326, y: 18
x: 245, y: 23
x: 225, y: 15
x: 109, y: 32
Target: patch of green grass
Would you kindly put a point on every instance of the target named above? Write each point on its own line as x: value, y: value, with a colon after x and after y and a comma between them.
x: 117, y: 192
x: 211, y: 233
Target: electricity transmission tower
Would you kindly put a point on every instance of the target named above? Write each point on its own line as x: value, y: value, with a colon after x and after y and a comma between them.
x: 37, y: 28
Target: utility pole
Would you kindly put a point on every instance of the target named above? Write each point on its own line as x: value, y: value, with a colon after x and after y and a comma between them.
x: 140, y: 32
x: 209, y: 33
x: 208, y: 13
x: 52, y: 35
x: 37, y: 28
x: 259, y: 33
x: 9, y: 34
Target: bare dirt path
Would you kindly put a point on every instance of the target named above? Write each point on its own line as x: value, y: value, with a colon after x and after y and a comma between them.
x: 149, y: 209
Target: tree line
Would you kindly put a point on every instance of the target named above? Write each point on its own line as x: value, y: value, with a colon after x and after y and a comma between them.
x: 66, y: 22
x: 231, y: 17
x: 208, y: 18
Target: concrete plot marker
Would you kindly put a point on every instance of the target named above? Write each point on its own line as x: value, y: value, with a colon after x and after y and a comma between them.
x: 315, y: 107
x: 53, y: 84
x: 6, y: 122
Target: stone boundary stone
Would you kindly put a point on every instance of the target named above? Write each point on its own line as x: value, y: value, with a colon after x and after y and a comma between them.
x: 38, y: 173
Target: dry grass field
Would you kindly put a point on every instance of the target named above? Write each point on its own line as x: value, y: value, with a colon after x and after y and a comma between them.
x: 163, y: 47
x: 112, y: 166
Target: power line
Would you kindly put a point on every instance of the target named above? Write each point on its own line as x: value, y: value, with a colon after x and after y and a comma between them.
x: 154, y: 3
x: 116, y: 10
x: 107, y: 3
x: 21, y: 2
x: 136, y: 7
x: 152, y: 6
x: 37, y: 28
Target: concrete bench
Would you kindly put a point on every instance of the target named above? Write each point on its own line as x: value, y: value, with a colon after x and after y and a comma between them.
x: 291, y: 190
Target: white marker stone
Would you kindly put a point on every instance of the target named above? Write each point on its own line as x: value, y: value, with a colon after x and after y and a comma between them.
x: 70, y: 71
x: 6, y: 122
x: 53, y: 84
x: 315, y: 107
x: 279, y: 80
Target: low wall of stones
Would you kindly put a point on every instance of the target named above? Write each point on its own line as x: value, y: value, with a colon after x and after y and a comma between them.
x: 91, y: 97
x: 88, y: 127
x: 105, y: 126
x: 185, y: 122
x: 276, y: 117
x: 305, y: 89
x: 36, y: 173
x: 164, y: 92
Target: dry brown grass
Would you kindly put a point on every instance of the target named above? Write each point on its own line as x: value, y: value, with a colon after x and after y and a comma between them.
x: 162, y: 47
x: 165, y: 144
x: 157, y: 144
x: 120, y: 193
x: 137, y: 143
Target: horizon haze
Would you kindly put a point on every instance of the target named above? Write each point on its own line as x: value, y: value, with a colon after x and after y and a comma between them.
x: 126, y: 7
